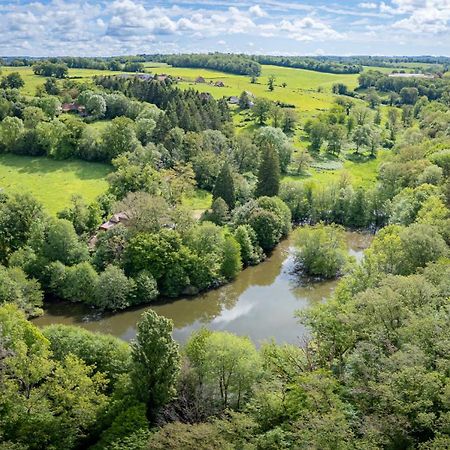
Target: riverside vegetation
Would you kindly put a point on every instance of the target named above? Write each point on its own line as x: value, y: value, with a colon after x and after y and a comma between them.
x: 375, y: 372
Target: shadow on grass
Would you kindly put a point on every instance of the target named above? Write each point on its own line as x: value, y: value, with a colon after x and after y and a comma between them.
x: 34, y: 165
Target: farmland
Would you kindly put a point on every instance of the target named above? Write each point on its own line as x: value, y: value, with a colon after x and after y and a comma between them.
x: 308, y: 91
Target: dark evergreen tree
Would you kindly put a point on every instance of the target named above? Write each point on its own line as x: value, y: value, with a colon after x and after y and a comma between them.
x: 268, y: 173
x: 224, y: 187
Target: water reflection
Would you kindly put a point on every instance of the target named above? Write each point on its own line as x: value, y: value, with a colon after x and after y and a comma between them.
x: 260, y: 303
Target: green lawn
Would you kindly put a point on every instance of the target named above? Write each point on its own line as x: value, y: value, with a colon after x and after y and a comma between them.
x: 362, y: 173
x: 52, y: 182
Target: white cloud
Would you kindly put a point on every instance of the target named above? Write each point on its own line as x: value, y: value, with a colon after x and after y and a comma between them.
x: 368, y: 5
x: 257, y: 11
x: 105, y: 27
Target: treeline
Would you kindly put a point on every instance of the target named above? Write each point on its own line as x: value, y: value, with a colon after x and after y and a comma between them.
x: 300, y: 62
x: 119, y: 63
x: 387, y: 61
x: 406, y: 90
x: 224, y: 62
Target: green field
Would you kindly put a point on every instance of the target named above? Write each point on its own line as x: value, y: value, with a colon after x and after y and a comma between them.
x: 32, y: 81
x: 52, y: 182
x: 302, y: 86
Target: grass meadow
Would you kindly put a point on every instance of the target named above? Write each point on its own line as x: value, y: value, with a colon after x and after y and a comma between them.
x: 52, y: 182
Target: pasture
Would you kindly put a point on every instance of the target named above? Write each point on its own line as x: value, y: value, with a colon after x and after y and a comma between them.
x: 308, y: 91
x: 52, y: 182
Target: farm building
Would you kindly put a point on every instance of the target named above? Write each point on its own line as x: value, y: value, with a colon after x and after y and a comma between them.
x: 120, y: 217
x: 219, y: 84
x: 73, y: 107
x: 411, y: 75
x: 233, y: 100
x: 200, y: 80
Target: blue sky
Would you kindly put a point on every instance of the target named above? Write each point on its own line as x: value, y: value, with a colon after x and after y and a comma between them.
x: 290, y: 27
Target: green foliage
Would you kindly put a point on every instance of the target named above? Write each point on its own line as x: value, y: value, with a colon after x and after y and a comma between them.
x: 231, y: 262
x: 156, y: 361
x: 227, y: 366
x: 12, y: 81
x: 251, y: 252
x: 43, y: 403
x: 146, y: 288
x: 321, y: 250
x: 125, y: 425
x: 113, y: 289
x: 224, y: 186
x: 106, y: 354
x: 16, y: 288
x: 61, y: 243
x: 268, y: 173
x: 18, y: 214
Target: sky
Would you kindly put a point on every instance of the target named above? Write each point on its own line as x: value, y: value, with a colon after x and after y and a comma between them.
x: 278, y: 27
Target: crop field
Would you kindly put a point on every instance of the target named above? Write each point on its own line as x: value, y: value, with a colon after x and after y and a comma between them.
x: 52, y: 182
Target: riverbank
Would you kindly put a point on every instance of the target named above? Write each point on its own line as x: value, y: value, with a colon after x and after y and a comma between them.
x: 260, y: 303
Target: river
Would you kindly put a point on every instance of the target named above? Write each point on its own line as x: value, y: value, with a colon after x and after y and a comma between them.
x: 261, y: 303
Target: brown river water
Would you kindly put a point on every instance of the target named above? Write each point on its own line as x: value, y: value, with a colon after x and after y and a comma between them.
x: 261, y: 303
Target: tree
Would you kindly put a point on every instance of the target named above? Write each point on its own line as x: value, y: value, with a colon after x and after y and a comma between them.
x: 11, y: 129
x: 41, y: 399
x: 16, y: 288
x: 374, y: 140
x: 317, y: 132
x: 268, y: 173
x: 231, y: 262
x: 244, y: 100
x: 224, y: 186
x: 219, y: 213
x: 19, y: 215
x: 12, y: 81
x: 289, y: 120
x: 32, y: 115
x: 229, y: 364
x: 321, y: 250
x: 275, y: 138
x: 335, y: 138
x: 62, y: 244
x: 156, y: 362
x: 251, y: 253
x: 268, y: 228
x: 261, y: 110
x: 146, y: 289
x: 271, y: 82
x: 119, y: 137
x: 96, y: 106
x: 113, y: 290
x: 361, y: 136
x: 51, y: 87
x: 105, y: 353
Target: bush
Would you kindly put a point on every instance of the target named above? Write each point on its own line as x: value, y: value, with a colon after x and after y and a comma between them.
x: 321, y: 250
x: 146, y: 288
x: 114, y: 290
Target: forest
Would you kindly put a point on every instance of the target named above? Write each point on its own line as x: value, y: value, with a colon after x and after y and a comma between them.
x: 375, y: 370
